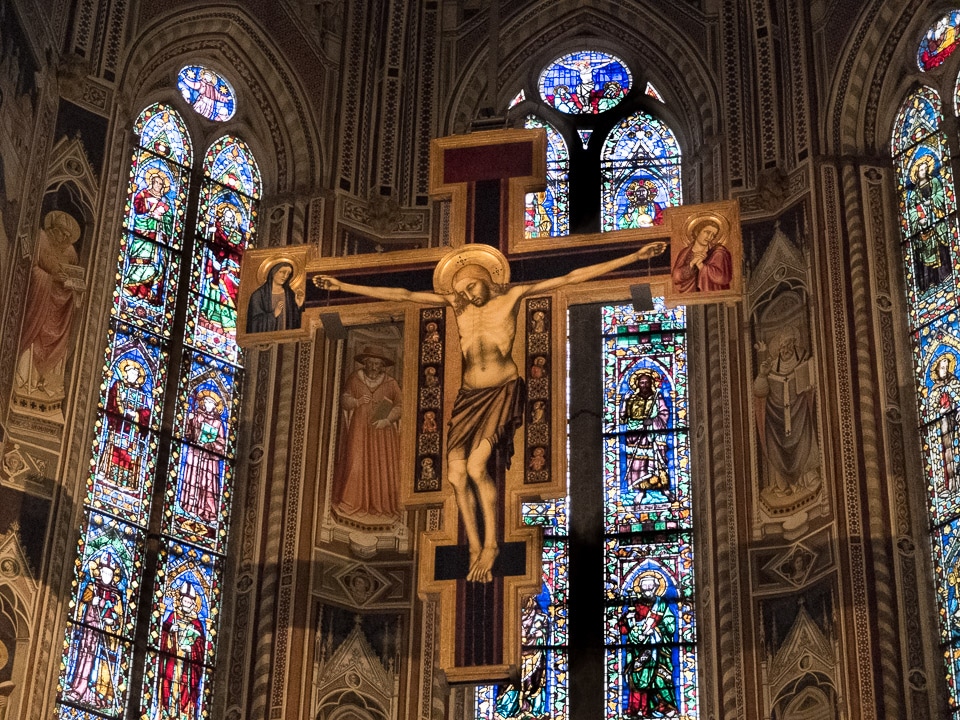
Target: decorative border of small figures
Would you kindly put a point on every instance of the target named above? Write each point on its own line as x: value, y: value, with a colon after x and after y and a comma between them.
x: 430, y: 400
x: 539, y: 365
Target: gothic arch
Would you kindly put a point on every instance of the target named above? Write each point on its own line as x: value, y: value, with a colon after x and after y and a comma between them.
x: 872, y: 76
x: 283, y: 131
x: 630, y: 34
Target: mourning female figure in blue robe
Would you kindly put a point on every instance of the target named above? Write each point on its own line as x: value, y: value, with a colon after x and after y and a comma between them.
x: 273, y: 306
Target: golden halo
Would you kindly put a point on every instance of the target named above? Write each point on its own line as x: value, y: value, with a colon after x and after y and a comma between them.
x: 127, y: 363
x: 153, y: 172
x: 267, y: 265
x: 696, y: 222
x: 654, y: 376
x: 204, y: 394
x: 661, y: 580
x: 225, y: 205
x: 922, y: 160
x: 487, y: 257
x: 951, y: 364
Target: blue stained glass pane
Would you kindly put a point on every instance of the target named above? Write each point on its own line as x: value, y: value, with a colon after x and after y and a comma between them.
x: 229, y: 218
x: 918, y: 118
x: 535, y: 699
x: 147, y: 287
x: 181, y: 641
x: 649, y: 628
x: 95, y: 668
x: 207, y: 91
x: 650, y: 632
x: 547, y: 212
x: 161, y: 130
x: 640, y: 165
x: 229, y: 162
x: 585, y: 82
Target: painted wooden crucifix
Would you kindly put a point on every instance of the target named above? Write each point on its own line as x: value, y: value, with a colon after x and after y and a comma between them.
x: 481, y: 561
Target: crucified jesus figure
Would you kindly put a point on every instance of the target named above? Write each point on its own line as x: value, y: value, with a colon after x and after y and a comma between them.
x: 474, y: 281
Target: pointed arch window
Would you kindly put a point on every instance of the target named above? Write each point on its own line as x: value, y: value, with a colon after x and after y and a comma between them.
x: 171, y: 362
x: 638, y: 588
x: 931, y: 249
x: 640, y: 173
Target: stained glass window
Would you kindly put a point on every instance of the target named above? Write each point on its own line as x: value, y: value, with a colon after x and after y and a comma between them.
x: 930, y: 249
x: 542, y: 692
x: 586, y: 82
x: 547, y: 212
x: 640, y: 173
x: 653, y: 92
x: 207, y: 92
x: 650, y: 634
x: 939, y: 42
x: 156, y: 255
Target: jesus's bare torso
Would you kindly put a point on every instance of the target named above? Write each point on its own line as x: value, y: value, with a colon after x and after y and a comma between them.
x: 486, y: 341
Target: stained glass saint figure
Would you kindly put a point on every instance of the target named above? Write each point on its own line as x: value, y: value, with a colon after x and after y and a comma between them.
x: 153, y: 213
x: 927, y: 208
x: 649, y: 628
x: 646, y: 410
x: 200, y: 484
x: 128, y: 414
x: 642, y: 209
x: 182, y: 648
x: 945, y: 399
x: 96, y: 661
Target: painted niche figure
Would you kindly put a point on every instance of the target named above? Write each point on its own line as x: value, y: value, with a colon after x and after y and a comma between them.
x: 649, y: 629
x: 182, y: 649
x: 530, y: 699
x: 647, y: 451
x: 784, y: 391
x: 945, y: 399
x: 642, y: 209
x: 128, y: 415
x: 207, y: 442
x: 96, y: 665
x: 489, y: 405
x: 926, y: 209
x: 705, y: 264
x: 56, y: 281
x: 273, y: 306
x: 366, y: 479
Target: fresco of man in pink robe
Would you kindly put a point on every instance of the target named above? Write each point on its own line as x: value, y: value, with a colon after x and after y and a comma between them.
x: 366, y: 482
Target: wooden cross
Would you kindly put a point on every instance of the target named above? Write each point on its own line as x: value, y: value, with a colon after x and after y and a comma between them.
x: 485, y: 176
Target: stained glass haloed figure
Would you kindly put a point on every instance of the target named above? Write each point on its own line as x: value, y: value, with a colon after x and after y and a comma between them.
x: 200, y: 484
x: 642, y: 208
x: 945, y: 399
x: 96, y: 663
x: 926, y: 209
x: 647, y: 451
x: 153, y: 219
x: 218, y: 307
x: 182, y: 647
x: 128, y: 413
x: 209, y: 101
x: 648, y: 629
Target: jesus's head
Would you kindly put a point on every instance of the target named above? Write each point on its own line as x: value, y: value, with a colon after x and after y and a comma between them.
x: 472, y: 285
